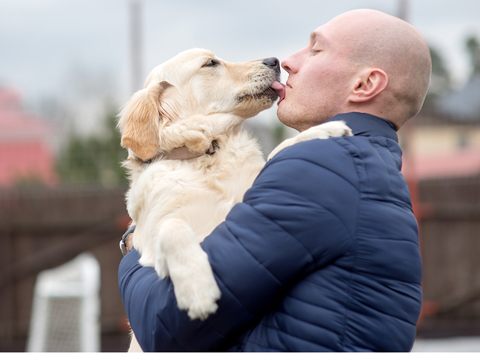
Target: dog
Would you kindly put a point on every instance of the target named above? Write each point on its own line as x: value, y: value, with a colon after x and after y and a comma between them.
x: 189, y: 162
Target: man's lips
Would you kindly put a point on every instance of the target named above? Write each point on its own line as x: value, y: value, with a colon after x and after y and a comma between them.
x: 280, y: 89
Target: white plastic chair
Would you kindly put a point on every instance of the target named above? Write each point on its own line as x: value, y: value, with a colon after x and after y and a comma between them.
x: 66, y: 308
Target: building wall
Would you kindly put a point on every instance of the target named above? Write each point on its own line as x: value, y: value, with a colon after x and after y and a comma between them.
x: 441, y: 139
x: 26, y: 153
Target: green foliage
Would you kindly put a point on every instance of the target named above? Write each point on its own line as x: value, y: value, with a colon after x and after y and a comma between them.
x: 473, y: 48
x: 29, y: 180
x: 94, y: 159
x: 440, y: 81
x: 279, y: 132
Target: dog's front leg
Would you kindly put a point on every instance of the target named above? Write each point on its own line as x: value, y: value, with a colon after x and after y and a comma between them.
x: 198, y: 131
x: 322, y: 131
x: 180, y: 256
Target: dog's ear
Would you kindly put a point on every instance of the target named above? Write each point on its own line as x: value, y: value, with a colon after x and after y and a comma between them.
x: 140, y: 120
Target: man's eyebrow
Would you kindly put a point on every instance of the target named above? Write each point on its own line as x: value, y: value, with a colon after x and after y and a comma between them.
x: 316, y: 37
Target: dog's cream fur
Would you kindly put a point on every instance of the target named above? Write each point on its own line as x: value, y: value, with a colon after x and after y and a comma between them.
x: 190, y: 101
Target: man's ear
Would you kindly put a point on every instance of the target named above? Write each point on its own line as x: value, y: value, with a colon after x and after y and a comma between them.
x: 368, y: 85
x: 140, y: 120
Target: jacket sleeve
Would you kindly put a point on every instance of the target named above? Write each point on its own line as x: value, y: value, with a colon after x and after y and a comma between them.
x: 288, y: 225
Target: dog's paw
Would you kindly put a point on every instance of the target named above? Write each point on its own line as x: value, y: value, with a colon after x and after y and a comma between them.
x: 204, y: 303
x: 325, y: 131
x: 196, y: 140
x: 322, y: 131
x: 195, y: 288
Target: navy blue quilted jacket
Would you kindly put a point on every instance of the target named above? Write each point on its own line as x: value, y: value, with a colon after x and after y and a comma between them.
x: 322, y: 255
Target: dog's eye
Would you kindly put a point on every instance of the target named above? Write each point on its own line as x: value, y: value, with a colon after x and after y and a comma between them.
x: 212, y: 62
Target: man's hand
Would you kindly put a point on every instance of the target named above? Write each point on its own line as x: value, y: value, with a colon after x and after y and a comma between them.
x: 127, y: 240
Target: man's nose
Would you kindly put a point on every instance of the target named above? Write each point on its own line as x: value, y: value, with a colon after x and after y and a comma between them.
x: 286, y: 64
x: 272, y: 63
x: 290, y: 64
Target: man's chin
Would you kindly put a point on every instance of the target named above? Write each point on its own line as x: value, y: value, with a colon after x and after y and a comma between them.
x: 286, y: 118
x: 281, y: 114
x: 296, y: 119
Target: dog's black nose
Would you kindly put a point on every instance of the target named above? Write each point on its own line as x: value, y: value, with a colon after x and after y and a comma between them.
x: 272, y: 63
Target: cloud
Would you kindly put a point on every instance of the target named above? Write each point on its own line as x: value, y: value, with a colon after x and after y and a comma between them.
x: 42, y: 39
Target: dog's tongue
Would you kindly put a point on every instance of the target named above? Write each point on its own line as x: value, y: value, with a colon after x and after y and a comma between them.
x: 280, y: 89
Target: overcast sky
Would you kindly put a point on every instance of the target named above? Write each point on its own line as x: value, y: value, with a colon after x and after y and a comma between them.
x: 43, y: 43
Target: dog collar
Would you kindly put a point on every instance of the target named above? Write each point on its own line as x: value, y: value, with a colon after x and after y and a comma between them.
x: 184, y: 153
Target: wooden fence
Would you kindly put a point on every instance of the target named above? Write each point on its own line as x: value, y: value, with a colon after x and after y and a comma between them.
x: 43, y: 228
x: 450, y: 245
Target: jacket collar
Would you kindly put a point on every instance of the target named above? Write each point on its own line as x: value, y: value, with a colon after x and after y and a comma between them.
x: 367, y: 125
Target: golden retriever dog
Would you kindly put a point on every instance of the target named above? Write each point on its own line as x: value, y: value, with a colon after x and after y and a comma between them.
x: 190, y: 161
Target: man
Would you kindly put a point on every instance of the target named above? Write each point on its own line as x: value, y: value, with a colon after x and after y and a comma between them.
x: 322, y: 255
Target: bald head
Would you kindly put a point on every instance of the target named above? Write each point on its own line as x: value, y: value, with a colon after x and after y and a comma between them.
x: 373, y: 39
x: 361, y: 61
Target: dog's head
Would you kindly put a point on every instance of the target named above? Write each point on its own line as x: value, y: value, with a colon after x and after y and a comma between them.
x: 195, y: 82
